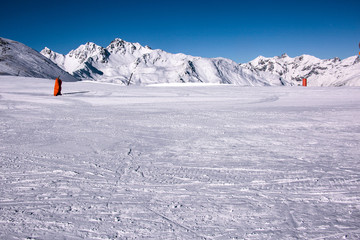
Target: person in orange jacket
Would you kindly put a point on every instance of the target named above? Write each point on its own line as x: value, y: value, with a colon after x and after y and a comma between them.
x: 57, y: 88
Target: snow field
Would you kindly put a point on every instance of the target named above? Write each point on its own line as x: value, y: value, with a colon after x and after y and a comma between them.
x: 196, y: 162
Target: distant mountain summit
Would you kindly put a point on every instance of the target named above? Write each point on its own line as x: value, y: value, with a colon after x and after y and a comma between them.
x: 18, y: 59
x: 131, y: 63
x: 330, y: 72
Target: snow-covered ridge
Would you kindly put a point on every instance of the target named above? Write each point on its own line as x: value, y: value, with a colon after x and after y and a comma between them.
x: 328, y: 72
x: 131, y: 63
x: 20, y: 60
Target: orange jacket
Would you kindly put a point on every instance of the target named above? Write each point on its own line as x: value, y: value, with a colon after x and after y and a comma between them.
x: 57, y: 88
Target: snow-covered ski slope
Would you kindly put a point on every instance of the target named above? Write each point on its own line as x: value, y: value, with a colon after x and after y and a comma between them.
x: 196, y: 162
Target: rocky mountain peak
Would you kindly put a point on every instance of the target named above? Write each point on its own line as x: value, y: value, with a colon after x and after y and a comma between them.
x: 123, y: 47
x: 284, y: 55
x: 85, y: 51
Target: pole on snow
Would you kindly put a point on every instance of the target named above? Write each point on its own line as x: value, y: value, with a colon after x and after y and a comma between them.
x: 304, y: 82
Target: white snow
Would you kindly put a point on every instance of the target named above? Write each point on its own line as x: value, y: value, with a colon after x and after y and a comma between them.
x: 197, y: 162
x: 328, y: 72
x: 130, y: 63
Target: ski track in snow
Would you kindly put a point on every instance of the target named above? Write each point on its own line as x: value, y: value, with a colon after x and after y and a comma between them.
x: 212, y: 162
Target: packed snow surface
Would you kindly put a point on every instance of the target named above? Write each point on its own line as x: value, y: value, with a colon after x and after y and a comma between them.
x: 105, y: 161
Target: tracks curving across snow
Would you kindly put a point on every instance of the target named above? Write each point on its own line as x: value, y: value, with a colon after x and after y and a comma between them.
x: 211, y: 162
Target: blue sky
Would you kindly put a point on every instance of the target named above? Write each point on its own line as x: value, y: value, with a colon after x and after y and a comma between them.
x: 239, y: 30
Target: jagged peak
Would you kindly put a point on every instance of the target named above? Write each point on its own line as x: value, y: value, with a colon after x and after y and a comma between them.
x: 119, y: 45
x: 90, y: 44
x: 336, y: 59
x: 116, y: 44
x: 50, y: 53
x: 85, y: 51
x: 87, y: 47
x: 118, y: 40
x: 284, y: 55
x: 46, y: 50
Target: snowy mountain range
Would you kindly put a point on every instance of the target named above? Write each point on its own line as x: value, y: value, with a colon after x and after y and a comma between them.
x: 330, y: 72
x: 130, y: 63
x: 18, y: 59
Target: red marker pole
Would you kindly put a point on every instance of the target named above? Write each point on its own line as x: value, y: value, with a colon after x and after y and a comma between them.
x: 304, y: 82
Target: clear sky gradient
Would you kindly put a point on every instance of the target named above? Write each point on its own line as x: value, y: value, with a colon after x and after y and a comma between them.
x: 239, y: 30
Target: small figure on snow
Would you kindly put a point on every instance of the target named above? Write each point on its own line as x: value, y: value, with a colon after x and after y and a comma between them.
x: 57, y: 88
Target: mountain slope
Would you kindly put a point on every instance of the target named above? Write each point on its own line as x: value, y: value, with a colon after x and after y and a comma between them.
x: 18, y: 59
x: 130, y: 63
x: 330, y: 72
